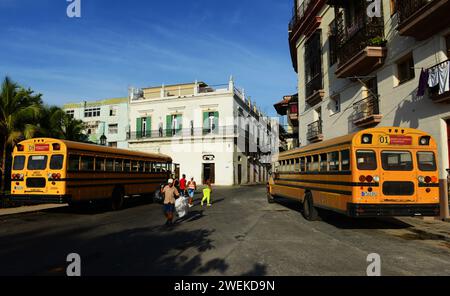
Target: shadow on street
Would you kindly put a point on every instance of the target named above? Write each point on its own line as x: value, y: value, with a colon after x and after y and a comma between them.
x: 343, y: 222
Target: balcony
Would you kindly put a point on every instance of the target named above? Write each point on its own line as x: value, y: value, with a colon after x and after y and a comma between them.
x: 164, y: 134
x: 315, y: 132
x: 422, y: 19
x: 433, y: 92
x: 367, y: 112
x: 304, y: 22
x: 293, y: 112
x: 361, y: 47
x: 314, y: 90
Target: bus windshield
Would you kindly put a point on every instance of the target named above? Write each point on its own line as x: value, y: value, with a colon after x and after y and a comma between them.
x: 397, y: 160
x: 37, y: 162
x: 19, y: 163
x: 427, y: 161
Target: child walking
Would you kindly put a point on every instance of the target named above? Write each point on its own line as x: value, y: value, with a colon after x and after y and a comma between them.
x: 207, y: 194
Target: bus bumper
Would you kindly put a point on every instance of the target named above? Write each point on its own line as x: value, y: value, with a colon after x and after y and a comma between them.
x: 393, y: 210
x: 41, y: 199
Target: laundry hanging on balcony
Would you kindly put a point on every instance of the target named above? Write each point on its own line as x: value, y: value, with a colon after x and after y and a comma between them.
x: 438, y: 75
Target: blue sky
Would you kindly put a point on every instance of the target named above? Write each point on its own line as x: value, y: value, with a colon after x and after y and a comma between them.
x: 117, y: 44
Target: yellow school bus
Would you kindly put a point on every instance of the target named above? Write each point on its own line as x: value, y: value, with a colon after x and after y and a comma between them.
x: 388, y: 171
x: 55, y: 171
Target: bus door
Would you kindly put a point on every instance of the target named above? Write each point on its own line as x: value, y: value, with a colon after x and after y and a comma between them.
x: 36, y: 173
x: 398, y: 175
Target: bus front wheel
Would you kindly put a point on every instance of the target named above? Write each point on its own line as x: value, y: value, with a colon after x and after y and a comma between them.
x: 309, y: 211
x: 117, y: 200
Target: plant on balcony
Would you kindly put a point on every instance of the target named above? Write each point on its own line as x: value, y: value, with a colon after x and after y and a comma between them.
x: 377, y: 41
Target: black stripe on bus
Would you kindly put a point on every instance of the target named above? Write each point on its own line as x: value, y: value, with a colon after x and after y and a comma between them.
x: 350, y: 184
x: 346, y: 173
x: 110, y: 184
x: 343, y: 192
x: 429, y: 185
x: 104, y: 179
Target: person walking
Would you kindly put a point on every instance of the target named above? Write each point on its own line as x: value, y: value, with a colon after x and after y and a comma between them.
x: 207, y: 194
x: 170, y: 195
x: 183, y: 185
x: 192, y: 186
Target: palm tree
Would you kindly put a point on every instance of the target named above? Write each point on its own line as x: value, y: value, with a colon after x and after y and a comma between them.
x: 19, y: 109
x: 55, y: 123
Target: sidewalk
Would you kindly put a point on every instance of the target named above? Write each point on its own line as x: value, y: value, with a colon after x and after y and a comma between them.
x: 429, y: 228
x: 29, y: 209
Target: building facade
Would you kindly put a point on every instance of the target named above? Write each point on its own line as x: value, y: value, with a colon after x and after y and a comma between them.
x: 288, y: 109
x: 107, y: 118
x: 214, y: 132
x: 360, y: 65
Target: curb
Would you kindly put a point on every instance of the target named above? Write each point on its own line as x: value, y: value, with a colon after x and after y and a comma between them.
x: 28, y: 209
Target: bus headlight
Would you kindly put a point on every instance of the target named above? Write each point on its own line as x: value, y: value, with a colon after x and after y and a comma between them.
x: 376, y: 179
x: 421, y: 179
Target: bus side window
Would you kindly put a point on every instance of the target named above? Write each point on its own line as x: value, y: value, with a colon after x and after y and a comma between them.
x: 302, y: 164
x: 127, y: 165
x: 297, y: 165
x: 323, y: 162
x: 109, y: 165
x: 141, y: 166
x: 315, y: 163
x: 345, y: 160
x: 118, y: 165
x: 134, y: 166
x: 99, y: 164
x: 333, y: 161
x: 74, y: 162
x: 87, y: 163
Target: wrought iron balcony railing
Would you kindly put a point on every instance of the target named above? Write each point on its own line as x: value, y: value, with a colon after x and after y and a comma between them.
x: 183, y: 133
x: 314, y: 129
x: 364, y: 32
x: 298, y: 13
x: 315, y: 84
x: 366, y: 107
x: 407, y: 8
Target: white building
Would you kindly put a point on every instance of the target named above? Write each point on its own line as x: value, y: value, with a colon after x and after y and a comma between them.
x: 213, y: 132
x: 105, y: 117
x: 356, y: 71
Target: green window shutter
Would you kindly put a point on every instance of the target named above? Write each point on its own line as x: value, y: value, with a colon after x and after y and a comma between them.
x: 205, y: 122
x: 169, y: 125
x: 216, y: 122
x: 149, y: 127
x: 138, y: 128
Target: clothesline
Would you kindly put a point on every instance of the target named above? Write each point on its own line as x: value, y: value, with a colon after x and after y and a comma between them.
x: 437, y: 75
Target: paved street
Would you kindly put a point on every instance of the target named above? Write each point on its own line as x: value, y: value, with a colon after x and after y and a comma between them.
x: 240, y: 235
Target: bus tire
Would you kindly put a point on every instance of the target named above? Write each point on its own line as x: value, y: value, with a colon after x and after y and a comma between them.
x: 117, y: 199
x: 309, y: 211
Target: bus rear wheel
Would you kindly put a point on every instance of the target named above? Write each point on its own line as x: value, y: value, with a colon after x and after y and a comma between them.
x: 309, y: 211
x: 270, y: 198
x: 117, y: 200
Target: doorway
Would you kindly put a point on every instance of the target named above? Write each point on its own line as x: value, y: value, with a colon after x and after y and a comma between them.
x: 239, y: 174
x: 209, y: 173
